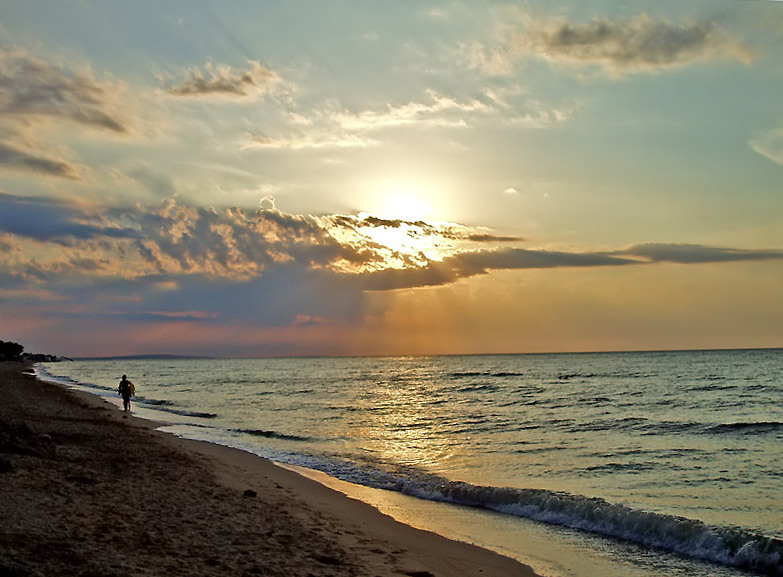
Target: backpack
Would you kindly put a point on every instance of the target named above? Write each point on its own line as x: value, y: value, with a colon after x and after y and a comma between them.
x: 126, y: 388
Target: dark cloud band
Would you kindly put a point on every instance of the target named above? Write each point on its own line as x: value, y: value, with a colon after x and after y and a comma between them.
x: 32, y: 88
x: 226, y: 82
x: 12, y: 158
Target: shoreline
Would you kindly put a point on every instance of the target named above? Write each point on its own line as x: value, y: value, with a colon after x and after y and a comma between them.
x: 91, y: 490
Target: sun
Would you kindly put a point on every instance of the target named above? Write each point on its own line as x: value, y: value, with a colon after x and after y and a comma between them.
x: 401, y: 222
x: 408, y: 200
x: 402, y: 237
x: 405, y: 204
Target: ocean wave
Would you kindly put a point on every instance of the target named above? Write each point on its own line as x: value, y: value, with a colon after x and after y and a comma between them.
x: 185, y: 413
x: 155, y: 402
x: 746, y: 428
x: 477, y: 388
x: 614, y: 467
x: 566, y: 376
x: 270, y: 434
x: 712, y: 387
x: 646, y: 427
x: 569, y: 376
x: 165, y: 406
x: 498, y: 374
x: 44, y: 375
x: 462, y: 374
x: 594, y: 427
x: 724, y: 545
x: 665, y: 427
x: 596, y: 401
x: 727, y: 546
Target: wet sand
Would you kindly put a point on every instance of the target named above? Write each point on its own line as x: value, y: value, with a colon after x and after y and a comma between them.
x: 89, y: 490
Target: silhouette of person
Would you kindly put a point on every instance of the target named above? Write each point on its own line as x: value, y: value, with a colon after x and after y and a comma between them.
x: 126, y: 391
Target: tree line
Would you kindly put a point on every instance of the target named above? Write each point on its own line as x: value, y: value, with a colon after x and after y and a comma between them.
x: 10, y: 351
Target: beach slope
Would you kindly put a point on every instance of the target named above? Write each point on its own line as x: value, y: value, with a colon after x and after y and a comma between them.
x: 88, y: 490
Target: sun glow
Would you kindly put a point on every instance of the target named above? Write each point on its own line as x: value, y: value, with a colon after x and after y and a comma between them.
x: 402, y: 223
x: 404, y: 199
x: 406, y: 204
x: 386, y: 243
x: 406, y: 242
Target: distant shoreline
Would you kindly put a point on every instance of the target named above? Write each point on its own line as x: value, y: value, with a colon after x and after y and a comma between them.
x: 150, y: 357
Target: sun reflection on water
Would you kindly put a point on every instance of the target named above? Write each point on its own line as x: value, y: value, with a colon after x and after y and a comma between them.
x: 400, y: 421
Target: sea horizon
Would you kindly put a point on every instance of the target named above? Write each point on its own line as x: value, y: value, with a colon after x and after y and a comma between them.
x: 168, y: 356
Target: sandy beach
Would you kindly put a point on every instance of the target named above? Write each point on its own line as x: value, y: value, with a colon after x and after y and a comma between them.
x: 89, y: 490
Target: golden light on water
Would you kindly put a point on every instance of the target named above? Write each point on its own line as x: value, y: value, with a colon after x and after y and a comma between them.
x: 401, y: 425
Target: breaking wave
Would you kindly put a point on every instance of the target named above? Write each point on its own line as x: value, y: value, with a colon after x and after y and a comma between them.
x: 728, y: 546
x: 725, y: 545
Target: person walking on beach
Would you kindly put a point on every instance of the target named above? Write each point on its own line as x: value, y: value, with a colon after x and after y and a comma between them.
x: 126, y: 391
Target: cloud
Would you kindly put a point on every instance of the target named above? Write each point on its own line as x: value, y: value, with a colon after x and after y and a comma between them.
x: 696, y: 253
x: 326, y: 140
x: 225, y: 82
x: 48, y: 220
x: 468, y: 264
x: 472, y: 263
x: 769, y: 144
x: 237, y: 245
x: 639, y: 44
x: 267, y: 202
x: 437, y: 110
x: 34, y: 93
x: 176, y: 262
x: 494, y: 238
x: 17, y: 159
x: 165, y: 316
x: 233, y: 243
x: 333, y: 128
x: 35, y: 90
x: 9, y: 244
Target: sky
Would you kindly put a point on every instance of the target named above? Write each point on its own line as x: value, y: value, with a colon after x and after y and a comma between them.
x: 260, y: 178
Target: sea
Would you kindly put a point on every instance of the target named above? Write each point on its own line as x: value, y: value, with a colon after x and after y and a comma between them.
x: 606, y: 464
